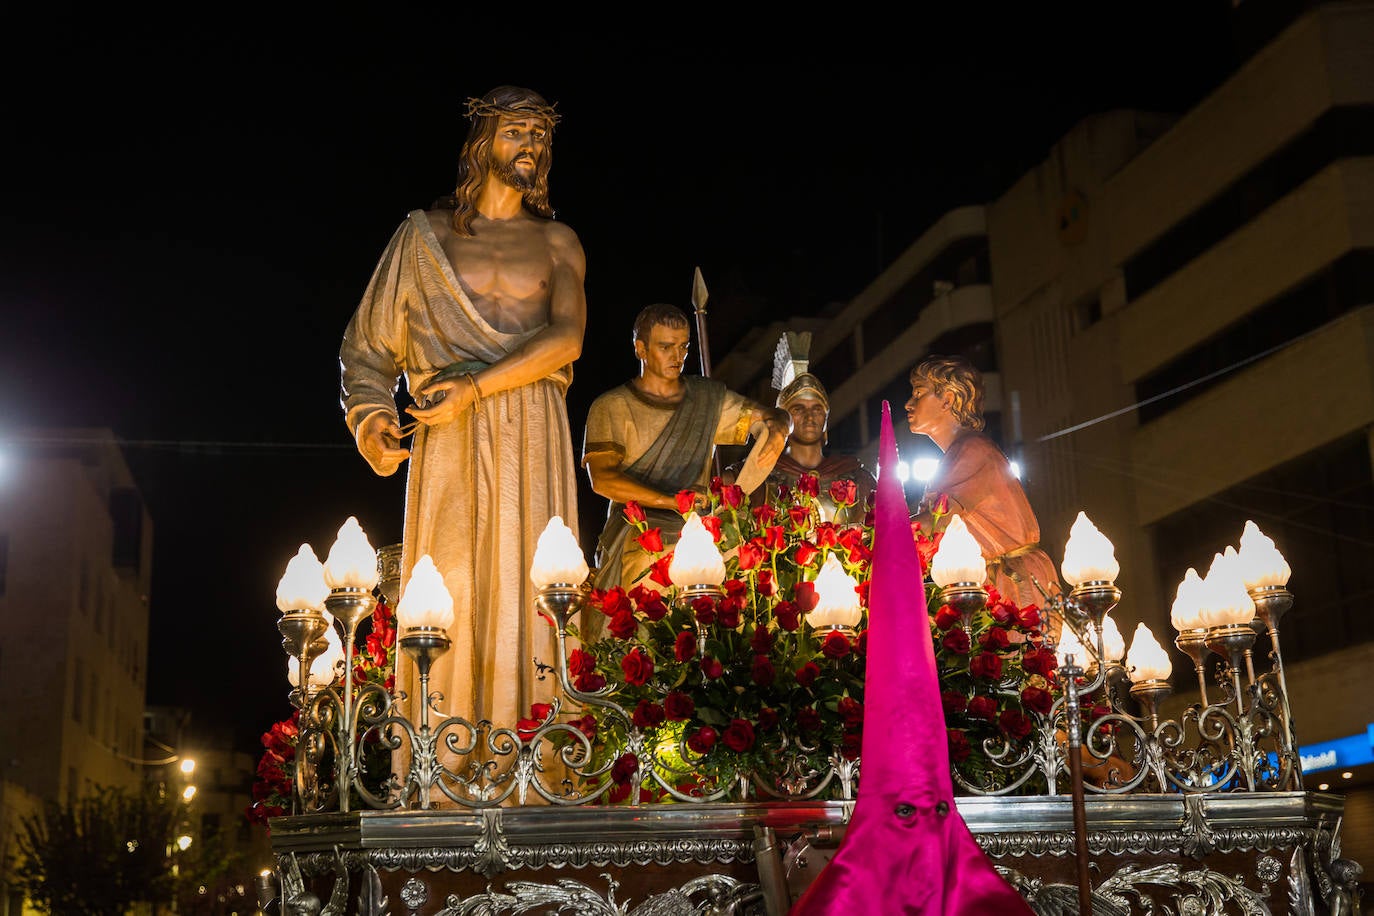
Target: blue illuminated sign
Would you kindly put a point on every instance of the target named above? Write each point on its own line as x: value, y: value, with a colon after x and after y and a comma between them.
x: 1344, y: 753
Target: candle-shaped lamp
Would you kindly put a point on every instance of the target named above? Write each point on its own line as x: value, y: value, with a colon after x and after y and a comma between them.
x: 1147, y: 660
x: 837, y: 599
x: 322, y: 666
x: 1113, y: 643
x: 302, y: 586
x: 1260, y: 563
x: 1186, y: 612
x: 352, y: 561
x: 1224, y: 600
x: 426, y: 602
x: 1088, y: 555
x: 696, y: 559
x: 959, y: 559
x: 558, y: 559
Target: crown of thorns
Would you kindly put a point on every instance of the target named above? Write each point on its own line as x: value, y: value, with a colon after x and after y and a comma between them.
x: 482, y: 108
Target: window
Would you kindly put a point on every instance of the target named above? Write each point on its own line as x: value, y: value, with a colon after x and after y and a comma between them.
x: 78, y: 689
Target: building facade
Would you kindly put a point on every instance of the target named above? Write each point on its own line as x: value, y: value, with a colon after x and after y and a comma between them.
x: 75, y: 571
x: 1176, y: 319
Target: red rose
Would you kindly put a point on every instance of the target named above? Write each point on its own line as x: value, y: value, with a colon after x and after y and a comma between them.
x: 982, y: 708
x: 826, y: 535
x: 994, y: 639
x: 800, y: 516
x: 648, y: 715
x: 764, y: 515
x: 685, y: 647
x: 686, y: 501
x: 768, y: 719
x: 788, y: 615
x: 586, y: 725
x: 711, y: 668
x: 851, y: 711
x: 806, y: 553
x: 941, y: 506
x: 678, y: 706
x: 729, y: 613
x: 809, y: 484
x: 618, y: 794
x: 539, y: 714
x: 851, y: 744
x: 946, y: 617
x: 589, y: 683
x: 1037, y: 699
x: 959, y: 748
x: 1014, y: 723
x: 861, y: 644
x: 651, y: 540
x: 712, y: 524
x: 376, y: 650
x: 836, y: 645
x: 986, y: 664
x: 805, y: 595
x: 1039, y: 661
x: 773, y: 538
x: 864, y: 587
x: 652, y: 605
x: 1028, y: 617
x: 717, y: 485
x: 844, y: 492
x: 807, y: 674
x: 624, y: 768
x: 704, y: 609
x: 658, y: 573
x: 615, y: 601
x: 850, y: 537
x: 1003, y: 613
x: 702, y: 740
x: 762, y: 640
x: 637, y: 666
x: 762, y: 670
x: 732, y: 496
x: 956, y: 641
x: 581, y: 662
x: 623, y: 625
x: 808, y: 720
x: 953, y: 701
x: 750, y: 554
x: 633, y: 513
x: 766, y: 585
x: 738, y: 736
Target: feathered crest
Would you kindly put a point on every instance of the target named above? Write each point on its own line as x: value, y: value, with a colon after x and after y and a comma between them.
x: 791, y: 357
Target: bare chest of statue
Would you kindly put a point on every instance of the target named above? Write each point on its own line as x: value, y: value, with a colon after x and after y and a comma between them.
x: 505, y: 268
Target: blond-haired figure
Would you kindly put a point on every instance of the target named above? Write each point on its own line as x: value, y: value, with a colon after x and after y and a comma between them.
x: 975, y: 479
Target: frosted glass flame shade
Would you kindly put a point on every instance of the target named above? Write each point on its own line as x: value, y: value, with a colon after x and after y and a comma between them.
x: 837, y: 598
x: 959, y: 558
x: 696, y: 559
x: 1113, y: 643
x: 352, y: 561
x: 302, y: 586
x: 558, y: 558
x: 1261, y: 565
x: 1088, y: 555
x: 1186, y: 613
x: 1224, y: 599
x: 1070, y: 644
x: 1147, y: 659
x: 323, y: 665
x: 426, y: 601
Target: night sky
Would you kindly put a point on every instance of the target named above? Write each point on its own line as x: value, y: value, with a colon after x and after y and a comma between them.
x: 191, y: 213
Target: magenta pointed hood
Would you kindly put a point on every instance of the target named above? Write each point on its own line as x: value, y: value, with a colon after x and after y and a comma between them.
x: 906, y: 848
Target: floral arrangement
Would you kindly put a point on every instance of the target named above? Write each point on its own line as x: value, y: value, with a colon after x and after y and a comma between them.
x: 373, y: 663
x: 744, y: 683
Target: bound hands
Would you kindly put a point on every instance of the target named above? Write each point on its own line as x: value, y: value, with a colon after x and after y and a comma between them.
x: 379, y: 441
x: 779, y: 424
x: 447, y: 399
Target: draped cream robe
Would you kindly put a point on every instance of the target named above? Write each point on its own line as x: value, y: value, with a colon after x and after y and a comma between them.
x: 481, y: 489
